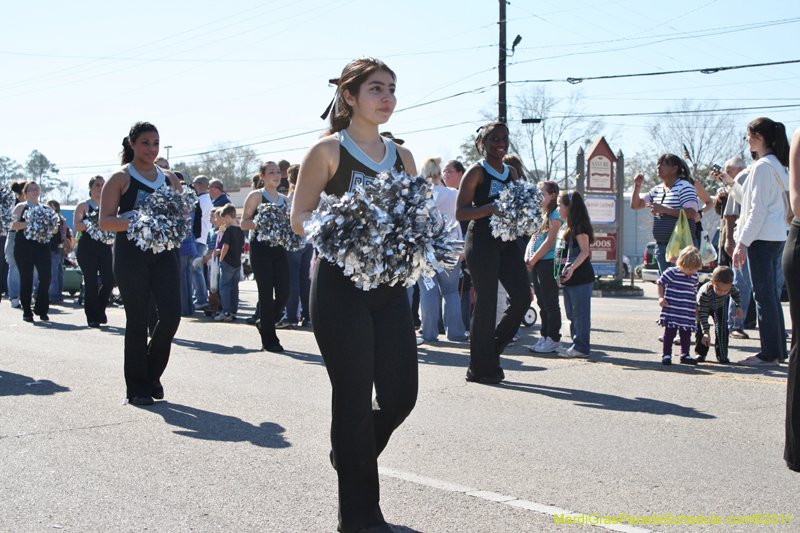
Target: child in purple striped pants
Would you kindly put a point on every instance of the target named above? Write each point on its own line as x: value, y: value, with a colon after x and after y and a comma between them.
x: 677, y: 296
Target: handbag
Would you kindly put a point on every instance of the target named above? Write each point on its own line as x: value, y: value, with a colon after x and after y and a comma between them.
x: 681, y: 238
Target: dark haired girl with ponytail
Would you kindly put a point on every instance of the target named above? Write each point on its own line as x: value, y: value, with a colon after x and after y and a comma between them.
x: 573, y: 269
x: 762, y: 233
x: 490, y: 260
x: 140, y: 274
x: 94, y: 258
x: 366, y: 338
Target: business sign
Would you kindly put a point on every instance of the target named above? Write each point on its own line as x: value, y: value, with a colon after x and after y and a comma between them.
x: 605, y: 269
x: 604, y: 247
x: 602, y: 210
x: 600, y: 174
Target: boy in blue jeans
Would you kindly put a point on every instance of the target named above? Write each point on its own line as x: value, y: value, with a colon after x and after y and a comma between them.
x: 230, y: 263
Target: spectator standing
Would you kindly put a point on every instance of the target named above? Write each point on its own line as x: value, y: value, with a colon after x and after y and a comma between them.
x: 201, y: 225
x: 666, y: 201
x: 217, y: 192
x: 230, y: 265
x: 444, y: 283
x: 677, y: 296
x: 61, y: 244
x: 762, y: 236
x: 299, y: 271
x: 741, y: 276
x: 18, y: 187
x: 452, y: 172
x: 540, y: 258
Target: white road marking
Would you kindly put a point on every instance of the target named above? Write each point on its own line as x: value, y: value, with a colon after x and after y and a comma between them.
x: 513, y: 501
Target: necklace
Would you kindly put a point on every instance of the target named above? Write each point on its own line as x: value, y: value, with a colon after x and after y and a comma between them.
x: 723, y: 349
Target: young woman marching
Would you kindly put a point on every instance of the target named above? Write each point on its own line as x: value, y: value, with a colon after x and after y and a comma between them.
x: 93, y: 257
x: 29, y: 254
x: 141, y: 274
x: 365, y: 337
x: 270, y: 263
x: 490, y: 260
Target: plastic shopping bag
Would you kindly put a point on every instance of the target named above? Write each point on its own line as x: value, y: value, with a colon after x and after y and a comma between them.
x: 707, y: 251
x: 214, y: 275
x: 680, y: 239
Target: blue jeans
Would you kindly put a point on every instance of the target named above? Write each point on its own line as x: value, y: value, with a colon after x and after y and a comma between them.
x: 445, y: 282
x: 56, y: 278
x: 229, y: 288
x: 578, y: 305
x: 199, y: 279
x: 187, y: 306
x: 741, y: 280
x: 765, y: 273
x: 13, y: 271
x: 299, y: 282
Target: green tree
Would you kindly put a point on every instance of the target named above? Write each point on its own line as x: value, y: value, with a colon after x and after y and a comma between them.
x: 10, y: 170
x: 233, y: 165
x: 710, y: 137
x: 41, y: 170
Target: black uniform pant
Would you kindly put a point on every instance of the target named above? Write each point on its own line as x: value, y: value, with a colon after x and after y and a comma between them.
x: 791, y: 267
x: 365, y: 338
x: 95, y: 258
x: 139, y: 275
x: 271, y: 271
x: 491, y: 261
x: 30, y: 255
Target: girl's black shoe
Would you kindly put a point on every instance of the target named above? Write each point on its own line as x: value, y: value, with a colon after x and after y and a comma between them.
x: 687, y: 360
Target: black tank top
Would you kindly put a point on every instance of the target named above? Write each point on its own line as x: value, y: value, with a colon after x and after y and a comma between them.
x: 357, y: 168
x: 139, y: 189
x: 493, y: 184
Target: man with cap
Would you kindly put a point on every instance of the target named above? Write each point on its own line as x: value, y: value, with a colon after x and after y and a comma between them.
x: 217, y: 193
x: 284, y: 165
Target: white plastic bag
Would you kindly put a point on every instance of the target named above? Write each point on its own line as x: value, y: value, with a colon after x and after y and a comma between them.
x: 707, y: 251
x: 214, y: 274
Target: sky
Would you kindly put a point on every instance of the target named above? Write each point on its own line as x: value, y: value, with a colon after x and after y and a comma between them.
x: 76, y: 76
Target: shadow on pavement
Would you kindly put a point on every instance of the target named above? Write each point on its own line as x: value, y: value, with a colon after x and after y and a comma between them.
x: 205, y: 425
x: 305, y: 357
x: 212, y: 347
x: 608, y: 402
x: 403, y: 529
x: 12, y: 384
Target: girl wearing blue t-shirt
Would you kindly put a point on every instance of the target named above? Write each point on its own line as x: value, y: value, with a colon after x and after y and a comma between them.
x: 574, y: 270
x: 540, y: 257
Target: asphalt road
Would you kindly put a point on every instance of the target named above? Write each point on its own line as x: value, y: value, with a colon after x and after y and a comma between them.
x: 241, y: 441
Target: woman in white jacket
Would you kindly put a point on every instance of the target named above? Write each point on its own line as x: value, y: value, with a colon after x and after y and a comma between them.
x: 762, y: 233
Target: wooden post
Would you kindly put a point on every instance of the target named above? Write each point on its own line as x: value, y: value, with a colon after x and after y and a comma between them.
x: 620, y: 211
x: 581, y: 165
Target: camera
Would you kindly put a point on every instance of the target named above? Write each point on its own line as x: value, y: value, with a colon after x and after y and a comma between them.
x: 716, y: 168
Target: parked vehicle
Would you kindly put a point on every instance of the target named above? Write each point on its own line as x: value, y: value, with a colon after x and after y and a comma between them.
x: 650, y: 268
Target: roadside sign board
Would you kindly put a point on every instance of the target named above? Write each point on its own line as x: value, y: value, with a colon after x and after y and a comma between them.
x: 604, y: 247
x: 602, y: 210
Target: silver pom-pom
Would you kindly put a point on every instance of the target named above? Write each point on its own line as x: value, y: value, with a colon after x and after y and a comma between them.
x: 274, y: 228
x: 388, y: 233
x: 521, y: 207
x: 7, y: 203
x: 42, y: 223
x: 190, y: 197
x: 93, y: 228
x: 161, y: 223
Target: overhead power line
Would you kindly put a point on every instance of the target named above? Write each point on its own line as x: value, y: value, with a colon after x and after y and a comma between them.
x: 712, y: 70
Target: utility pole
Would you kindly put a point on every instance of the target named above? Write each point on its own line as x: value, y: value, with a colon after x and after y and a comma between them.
x: 566, y: 163
x: 502, y: 65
